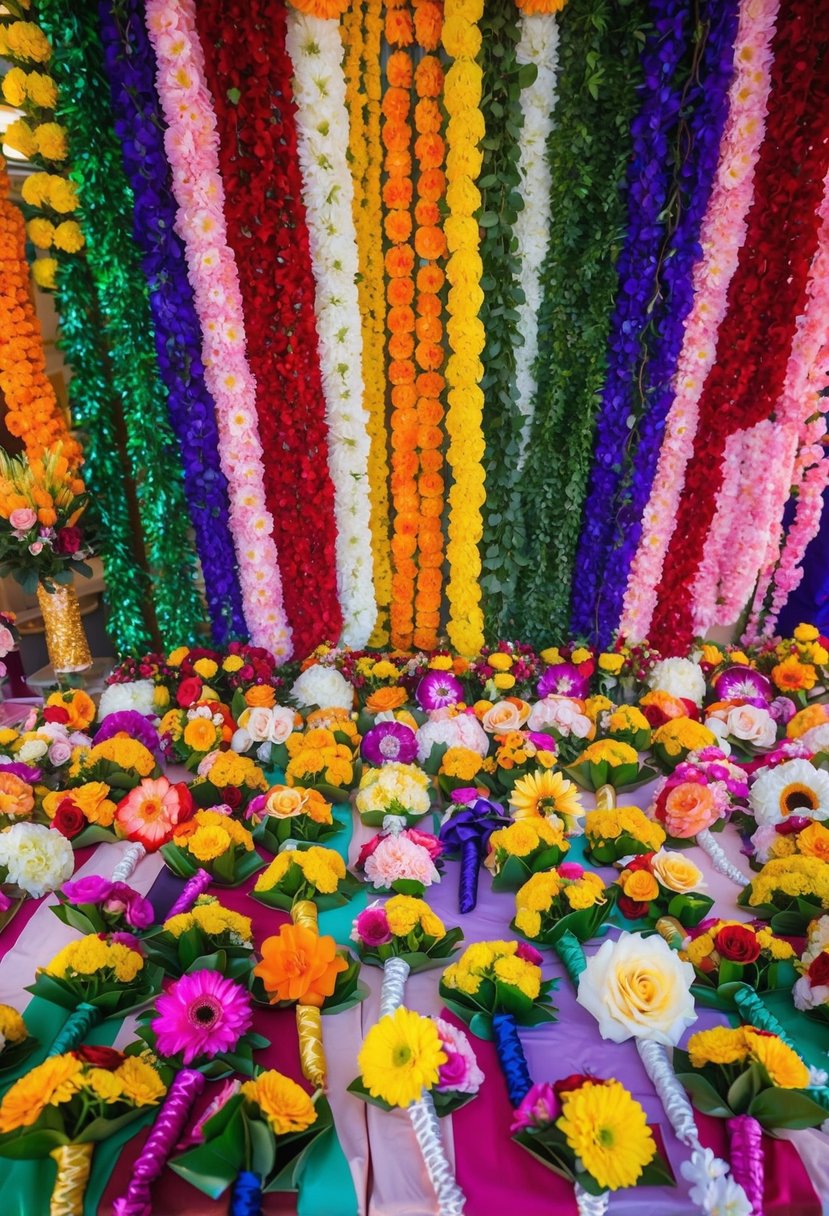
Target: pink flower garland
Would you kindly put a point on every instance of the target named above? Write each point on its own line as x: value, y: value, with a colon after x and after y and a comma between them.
x: 806, y: 467
x: 723, y: 233
x: 191, y: 145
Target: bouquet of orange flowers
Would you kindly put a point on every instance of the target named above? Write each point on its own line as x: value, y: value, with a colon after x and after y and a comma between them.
x: 41, y: 502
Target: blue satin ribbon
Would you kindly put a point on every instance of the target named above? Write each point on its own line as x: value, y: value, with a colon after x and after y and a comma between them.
x: 467, y: 833
x: 511, y: 1058
x: 246, y: 1199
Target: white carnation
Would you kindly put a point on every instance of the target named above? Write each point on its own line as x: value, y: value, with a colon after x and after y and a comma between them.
x: 323, y: 687
x: 36, y: 859
x: 461, y: 731
x: 679, y: 678
x: 138, y: 695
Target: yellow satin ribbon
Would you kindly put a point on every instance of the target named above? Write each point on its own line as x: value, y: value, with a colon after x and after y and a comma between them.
x: 304, y: 914
x: 669, y: 928
x: 311, y: 1051
x: 605, y: 798
x: 74, y: 1162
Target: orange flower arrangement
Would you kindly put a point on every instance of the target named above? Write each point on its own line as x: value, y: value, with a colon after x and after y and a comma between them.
x: 32, y: 410
x: 299, y: 965
x: 321, y: 8
x: 16, y: 797
x: 534, y: 7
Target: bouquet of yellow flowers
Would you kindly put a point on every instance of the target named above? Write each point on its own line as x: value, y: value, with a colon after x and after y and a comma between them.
x: 95, y: 977
x: 315, y: 873
x: 620, y: 831
x: 664, y: 883
x: 399, y: 790
x: 16, y: 1044
x: 84, y: 814
x: 569, y: 898
x: 496, y: 987
x: 41, y: 503
x: 120, y: 762
x: 70, y: 1102
x: 519, y: 752
x: 215, y: 842
x: 208, y: 936
x: 627, y: 724
x: 323, y: 759
x: 525, y: 847
x: 291, y: 813
x: 609, y: 762
x: 188, y: 735
x: 673, y: 740
x: 256, y: 1141
x: 402, y: 936
x: 757, y: 1082
x: 789, y: 892
x: 227, y: 779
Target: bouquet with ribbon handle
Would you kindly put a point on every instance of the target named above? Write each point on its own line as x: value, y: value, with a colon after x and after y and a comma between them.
x: 209, y: 935
x: 495, y: 987
x: 569, y: 899
x: 316, y: 874
x: 755, y: 1081
x: 593, y: 1133
x: 402, y: 936
x: 64, y: 1106
x: 524, y: 848
x: 255, y: 1142
x: 95, y: 978
x: 466, y: 835
x: 291, y: 813
x: 400, y: 1066
x: 789, y: 892
x: 401, y: 860
x: 214, y: 842
x: 98, y: 905
x: 303, y: 968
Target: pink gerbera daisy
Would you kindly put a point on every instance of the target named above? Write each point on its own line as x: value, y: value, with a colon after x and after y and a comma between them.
x: 201, y: 1014
x: 151, y: 811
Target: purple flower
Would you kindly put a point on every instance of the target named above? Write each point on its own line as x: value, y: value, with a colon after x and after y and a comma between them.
x: 539, y: 1108
x: 387, y: 742
x: 743, y: 683
x: 465, y: 795
x: 438, y: 690
x: 563, y: 680
x: 24, y: 771
x: 90, y: 890
x: 114, y: 898
x: 129, y: 722
x: 528, y: 953
x: 782, y: 709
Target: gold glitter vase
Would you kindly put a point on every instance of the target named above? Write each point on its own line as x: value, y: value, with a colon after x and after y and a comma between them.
x: 65, y: 635
x: 73, y: 1162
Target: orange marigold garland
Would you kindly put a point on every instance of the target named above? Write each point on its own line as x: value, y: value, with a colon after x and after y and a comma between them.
x: 462, y: 98
x: 430, y: 247
x: 362, y: 31
x: 400, y: 259
x: 32, y: 410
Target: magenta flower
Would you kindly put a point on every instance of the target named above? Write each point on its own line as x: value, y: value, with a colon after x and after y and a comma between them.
x: 90, y: 890
x: 465, y: 795
x: 539, y: 1108
x: 371, y: 927
x: 529, y: 953
x: 563, y: 680
x: 389, y: 742
x: 460, y: 1073
x: 570, y: 869
x: 201, y: 1015
x: 438, y: 690
x: 743, y: 682
x: 432, y: 845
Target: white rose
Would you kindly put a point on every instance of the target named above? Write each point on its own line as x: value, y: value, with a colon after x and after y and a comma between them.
x: 323, y: 687
x: 257, y: 722
x: 36, y: 859
x: 241, y: 741
x: 680, y: 678
x: 638, y: 987
x: 753, y: 724
x: 32, y: 750
x: 563, y: 713
x: 282, y: 724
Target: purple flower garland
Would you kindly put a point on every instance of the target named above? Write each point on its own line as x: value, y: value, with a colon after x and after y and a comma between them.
x: 707, y: 106
x: 648, y: 188
x: 130, y: 67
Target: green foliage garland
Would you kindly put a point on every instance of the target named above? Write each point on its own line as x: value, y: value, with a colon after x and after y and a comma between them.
x: 106, y: 199
x: 599, y: 72
x: 502, y: 550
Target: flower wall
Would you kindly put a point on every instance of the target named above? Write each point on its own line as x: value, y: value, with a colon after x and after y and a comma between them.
x: 408, y: 318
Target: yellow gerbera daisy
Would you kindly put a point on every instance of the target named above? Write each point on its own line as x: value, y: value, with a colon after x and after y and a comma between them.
x: 546, y: 793
x: 607, y: 1129
x: 784, y: 1066
x: 400, y: 1057
x: 721, y: 1045
x: 54, y: 1081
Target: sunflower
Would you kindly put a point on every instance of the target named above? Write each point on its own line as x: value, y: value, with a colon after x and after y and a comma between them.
x: 607, y: 1130
x: 400, y: 1057
x: 784, y: 1066
x: 793, y: 788
x: 545, y: 793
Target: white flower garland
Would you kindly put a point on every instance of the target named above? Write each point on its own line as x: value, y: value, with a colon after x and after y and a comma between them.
x: 316, y: 52
x: 538, y: 45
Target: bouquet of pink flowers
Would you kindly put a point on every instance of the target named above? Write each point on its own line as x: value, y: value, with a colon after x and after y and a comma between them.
x: 404, y: 860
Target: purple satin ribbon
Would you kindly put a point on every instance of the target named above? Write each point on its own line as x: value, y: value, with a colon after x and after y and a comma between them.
x: 193, y: 888
x: 467, y: 833
x: 167, y: 1131
x: 746, y: 1139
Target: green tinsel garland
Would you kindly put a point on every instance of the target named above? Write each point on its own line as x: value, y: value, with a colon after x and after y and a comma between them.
x: 106, y: 218
x: 589, y: 146
x: 94, y: 408
x: 503, y: 547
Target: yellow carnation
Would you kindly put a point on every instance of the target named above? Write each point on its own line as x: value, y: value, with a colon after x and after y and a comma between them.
x: 69, y: 238
x: 41, y: 232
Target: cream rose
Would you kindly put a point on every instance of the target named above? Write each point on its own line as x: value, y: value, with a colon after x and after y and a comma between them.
x: 753, y: 724
x: 676, y: 872
x: 638, y: 987
x: 564, y: 714
x: 505, y: 716
x: 257, y: 722
x: 284, y: 802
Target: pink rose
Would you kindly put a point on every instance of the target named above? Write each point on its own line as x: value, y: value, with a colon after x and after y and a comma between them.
x: 431, y: 844
x: 688, y: 809
x: 36, y: 547
x: 539, y: 1108
x: 460, y: 1073
x: 372, y: 927
x: 6, y: 640
x: 258, y: 724
x: 23, y: 518
x: 564, y: 714
x: 570, y: 869
x: 60, y: 752
x: 505, y: 717
x: 396, y: 858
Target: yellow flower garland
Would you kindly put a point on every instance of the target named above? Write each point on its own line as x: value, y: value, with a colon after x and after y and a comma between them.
x: 462, y: 97
x: 362, y: 30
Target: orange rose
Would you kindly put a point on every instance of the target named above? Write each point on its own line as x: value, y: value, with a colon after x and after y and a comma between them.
x: 385, y: 699
x: 260, y: 695
x: 298, y: 965
x: 16, y: 796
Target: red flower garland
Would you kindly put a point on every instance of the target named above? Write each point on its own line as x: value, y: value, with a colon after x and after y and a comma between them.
x: 765, y: 297
x: 249, y: 75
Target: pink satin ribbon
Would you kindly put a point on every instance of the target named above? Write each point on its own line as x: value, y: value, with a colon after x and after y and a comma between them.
x: 193, y: 888
x: 747, y: 1164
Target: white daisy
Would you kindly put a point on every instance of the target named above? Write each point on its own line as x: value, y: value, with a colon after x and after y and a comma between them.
x: 793, y: 788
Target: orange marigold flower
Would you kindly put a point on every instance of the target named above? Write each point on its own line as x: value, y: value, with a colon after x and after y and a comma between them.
x: 399, y: 29
x: 429, y: 150
x: 397, y: 136
x: 400, y: 291
x: 401, y: 346
x: 400, y: 261
x: 430, y: 384
x: 396, y: 104
x: 386, y: 698
x: 431, y: 184
x: 427, y: 117
x: 397, y: 193
x: 430, y: 243
x: 426, y: 213
x: 428, y: 22
x: 403, y: 396
x: 428, y: 305
x: 431, y: 461
x: 398, y: 162
x: 401, y: 320
x: 429, y: 329
x: 429, y: 355
x: 430, y: 484
x: 401, y: 372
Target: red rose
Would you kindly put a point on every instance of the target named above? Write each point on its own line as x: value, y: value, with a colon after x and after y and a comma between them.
x: 738, y: 944
x: 692, y: 709
x: 186, y: 805
x: 232, y: 796
x: 642, y: 861
x: 55, y: 713
x: 68, y: 540
x: 367, y: 850
x: 819, y: 970
x: 68, y: 820
x: 100, y: 1057
x: 189, y: 691
x: 575, y: 1081
x: 632, y: 909
x: 655, y: 716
